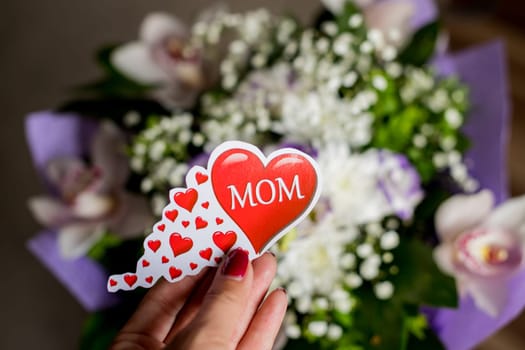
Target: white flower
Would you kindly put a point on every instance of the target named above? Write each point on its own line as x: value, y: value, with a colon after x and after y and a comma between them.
x: 366, y: 187
x: 163, y: 57
x: 481, y: 246
x: 92, y: 200
x: 311, y: 263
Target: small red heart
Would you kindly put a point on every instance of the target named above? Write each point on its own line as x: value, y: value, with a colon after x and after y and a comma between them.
x: 180, y: 245
x: 193, y: 266
x: 185, y: 223
x: 201, y: 178
x: 145, y: 263
x: 130, y: 279
x: 161, y: 227
x: 175, y: 272
x: 219, y: 221
x: 112, y: 282
x: 171, y: 214
x: 186, y: 199
x: 154, y: 244
x: 149, y: 279
x: 206, y: 253
x: 218, y: 259
x: 200, y: 223
x: 165, y: 260
x: 224, y: 240
x: 205, y: 205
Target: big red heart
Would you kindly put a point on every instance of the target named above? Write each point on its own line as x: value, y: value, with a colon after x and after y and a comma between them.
x: 263, y: 196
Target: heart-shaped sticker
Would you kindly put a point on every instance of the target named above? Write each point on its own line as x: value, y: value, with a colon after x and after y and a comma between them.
x: 264, y: 196
x: 242, y: 200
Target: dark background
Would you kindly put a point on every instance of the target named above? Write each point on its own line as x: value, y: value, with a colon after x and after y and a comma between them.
x: 47, y: 47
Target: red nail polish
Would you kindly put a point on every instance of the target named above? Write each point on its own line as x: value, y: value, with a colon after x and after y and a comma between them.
x: 236, y: 264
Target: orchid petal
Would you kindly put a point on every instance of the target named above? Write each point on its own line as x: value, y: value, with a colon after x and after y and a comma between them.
x: 388, y: 15
x: 489, y: 295
x: 48, y: 211
x: 61, y: 171
x: 134, y: 60
x: 90, y: 205
x: 159, y: 25
x: 462, y: 212
x: 509, y: 215
x: 443, y: 256
x: 109, y: 155
x: 134, y: 216
x: 75, y: 240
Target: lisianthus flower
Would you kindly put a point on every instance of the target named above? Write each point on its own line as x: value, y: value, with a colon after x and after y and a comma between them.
x: 481, y: 246
x: 164, y: 57
x: 366, y: 187
x: 90, y: 199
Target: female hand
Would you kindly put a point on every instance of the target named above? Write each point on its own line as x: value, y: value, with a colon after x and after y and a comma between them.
x: 219, y: 309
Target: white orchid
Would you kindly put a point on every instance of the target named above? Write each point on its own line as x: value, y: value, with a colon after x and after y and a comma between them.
x: 164, y: 57
x: 480, y: 246
x: 391, y: 18
x: 91, y: 200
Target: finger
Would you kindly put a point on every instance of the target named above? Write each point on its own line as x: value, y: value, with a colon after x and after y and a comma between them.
x: 157, y: 311
x: 266, y: 323
x: 192, y: 306
x: 264, y: 269
x: 215, y: 323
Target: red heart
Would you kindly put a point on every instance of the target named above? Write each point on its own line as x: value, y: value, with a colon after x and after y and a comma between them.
x: 112, y: 282
x: 161, y: 227
x: 154, y: 244
x: 224, y: 240
x: 180, y: 245
x: 206, y: 253
x: 201, y: 178
x: 149, y: 279
x: 264, y: 197
x: 205, y: 205
x: 165, y: 260
x: 200, y: 223
x: 171, y: 214
x: 218, y: 259
x: 193, y: 266
x: 185, y: 223
x: 219, y: 221
x: 145, y: 263
x: 186, y: 199
x: 130, y: 279
x: 175, y: 272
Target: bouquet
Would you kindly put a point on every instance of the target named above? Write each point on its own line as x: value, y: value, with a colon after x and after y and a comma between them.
x: 413, y: 243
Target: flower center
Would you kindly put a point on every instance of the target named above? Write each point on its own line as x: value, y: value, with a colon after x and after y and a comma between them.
x: 492, y: 254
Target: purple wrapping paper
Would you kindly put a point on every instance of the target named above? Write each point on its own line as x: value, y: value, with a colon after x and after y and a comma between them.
x: 51, y: 135
x: 83, y: 277
x: 483, y: 69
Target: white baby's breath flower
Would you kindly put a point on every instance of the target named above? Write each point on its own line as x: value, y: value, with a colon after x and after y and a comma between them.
x: 384, y: 290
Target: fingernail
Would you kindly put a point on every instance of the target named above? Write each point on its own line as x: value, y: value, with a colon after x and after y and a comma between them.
x: 271, y: 253
x: 236, y: 264
x: 282, y: 290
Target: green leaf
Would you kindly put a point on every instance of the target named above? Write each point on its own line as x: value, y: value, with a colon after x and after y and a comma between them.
x: 429, y: 341
x: 421, y: 281
x: 114, y: 83
x: 113, y: 108
x: 422, y: 46
x: 99, y: 249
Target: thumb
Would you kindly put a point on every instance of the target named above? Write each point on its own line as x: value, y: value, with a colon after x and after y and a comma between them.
x: 220, y: 315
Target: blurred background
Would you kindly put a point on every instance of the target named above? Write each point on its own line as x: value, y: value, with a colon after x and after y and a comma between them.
x: 47, y: 47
